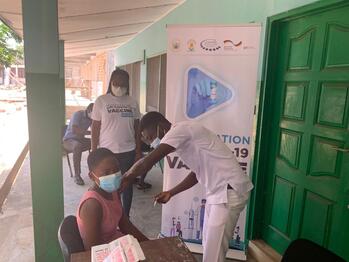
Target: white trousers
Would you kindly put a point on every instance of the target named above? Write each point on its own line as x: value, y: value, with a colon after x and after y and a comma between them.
x: 220, y: 221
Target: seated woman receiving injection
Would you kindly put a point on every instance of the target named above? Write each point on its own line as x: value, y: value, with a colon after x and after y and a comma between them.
x: 100, y: 214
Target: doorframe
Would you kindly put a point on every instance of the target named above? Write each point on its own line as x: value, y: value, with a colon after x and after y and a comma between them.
x: 266, y: 105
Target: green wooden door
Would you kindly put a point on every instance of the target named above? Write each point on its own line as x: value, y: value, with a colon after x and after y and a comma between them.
x: 307, y: 192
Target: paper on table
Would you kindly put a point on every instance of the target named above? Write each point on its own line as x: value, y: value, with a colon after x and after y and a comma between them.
x: 128, y: 242
x: 124, y: 249
x: 99, y: 253
x: 116, y: 255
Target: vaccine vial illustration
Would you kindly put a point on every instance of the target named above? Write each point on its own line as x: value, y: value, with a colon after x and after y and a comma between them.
x: 205, y: 92
x: 213, y: 95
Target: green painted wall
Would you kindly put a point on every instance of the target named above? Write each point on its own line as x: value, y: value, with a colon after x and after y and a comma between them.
x: 154, y: 38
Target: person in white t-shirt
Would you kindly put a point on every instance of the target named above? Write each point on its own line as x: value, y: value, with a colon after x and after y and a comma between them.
x: 212, y: 164
x: 115, y: 121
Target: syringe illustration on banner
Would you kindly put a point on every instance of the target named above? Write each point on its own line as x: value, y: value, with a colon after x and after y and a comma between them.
x: 206, y: 93
x: 190, y: 226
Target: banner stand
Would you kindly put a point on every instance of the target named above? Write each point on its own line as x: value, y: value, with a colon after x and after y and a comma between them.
x: 211, y: 79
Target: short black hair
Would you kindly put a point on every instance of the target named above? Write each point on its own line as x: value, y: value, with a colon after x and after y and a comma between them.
x: 95, y: 157
x: 151, y: 120
x: 89, y: 108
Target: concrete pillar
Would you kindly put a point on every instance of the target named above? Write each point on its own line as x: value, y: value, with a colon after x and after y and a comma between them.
x: 62, y: 79
x: 44, y: 99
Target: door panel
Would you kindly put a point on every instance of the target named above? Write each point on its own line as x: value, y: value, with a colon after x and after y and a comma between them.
x: 308, y: 171
x: 301, y: 50
x: 333, y: 105
x: 295, y: 100
x: 316, y: 229
x: 336, y: 40
x: 284, y: 192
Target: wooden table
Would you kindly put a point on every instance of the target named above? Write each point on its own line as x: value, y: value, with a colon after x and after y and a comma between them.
x: 164, y: 249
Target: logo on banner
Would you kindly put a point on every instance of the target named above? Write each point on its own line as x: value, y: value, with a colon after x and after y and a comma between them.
x: 249, y: 47
x: 210, y: 45
x: 191, y: 45
x: 205, y: 93
x: 176, y: 44
x: 229, y: 45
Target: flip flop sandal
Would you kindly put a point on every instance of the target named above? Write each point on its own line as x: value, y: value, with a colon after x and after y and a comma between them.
x: 144, y: 186
x: 79, y: 181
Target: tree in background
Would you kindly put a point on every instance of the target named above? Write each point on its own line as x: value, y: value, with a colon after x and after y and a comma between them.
x: 11, y: 47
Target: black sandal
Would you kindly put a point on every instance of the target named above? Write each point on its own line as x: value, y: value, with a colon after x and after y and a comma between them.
x: 79, y: 181
x: 144, y: 186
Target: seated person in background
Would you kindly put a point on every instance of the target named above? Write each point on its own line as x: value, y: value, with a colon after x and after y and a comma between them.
x: 100, y: 215
x: 75, y: 141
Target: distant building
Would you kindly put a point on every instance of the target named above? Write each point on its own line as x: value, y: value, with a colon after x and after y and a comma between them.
x: 13, y: 76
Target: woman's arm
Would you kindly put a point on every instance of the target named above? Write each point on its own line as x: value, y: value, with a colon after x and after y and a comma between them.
x: 91, y: 214
x: 96, y: 130
x: 127, y: 227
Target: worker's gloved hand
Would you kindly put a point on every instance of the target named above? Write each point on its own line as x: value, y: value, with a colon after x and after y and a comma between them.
x: 163, y: 197
x: 200, y: 98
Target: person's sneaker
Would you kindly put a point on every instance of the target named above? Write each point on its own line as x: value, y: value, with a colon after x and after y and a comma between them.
x: 79, y: 181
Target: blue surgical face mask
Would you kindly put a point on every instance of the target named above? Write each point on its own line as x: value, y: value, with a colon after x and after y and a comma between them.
x: 110, y: 183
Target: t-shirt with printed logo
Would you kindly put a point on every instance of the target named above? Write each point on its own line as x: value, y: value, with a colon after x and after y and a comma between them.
x: 117, y: 115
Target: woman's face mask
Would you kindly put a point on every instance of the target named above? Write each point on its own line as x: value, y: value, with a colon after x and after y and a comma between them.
x: 110, y: 183
x: 118, y: 90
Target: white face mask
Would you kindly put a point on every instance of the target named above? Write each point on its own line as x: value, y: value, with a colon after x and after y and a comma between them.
x: 118, y: 90
x: 156, y: 142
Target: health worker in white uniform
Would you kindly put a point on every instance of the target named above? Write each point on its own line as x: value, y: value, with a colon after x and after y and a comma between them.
x: 212, y: 164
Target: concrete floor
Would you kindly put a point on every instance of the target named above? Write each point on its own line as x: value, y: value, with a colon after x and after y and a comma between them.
x: 16, y: 225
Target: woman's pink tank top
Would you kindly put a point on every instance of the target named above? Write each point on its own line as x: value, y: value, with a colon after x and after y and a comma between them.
x: 112, y: 212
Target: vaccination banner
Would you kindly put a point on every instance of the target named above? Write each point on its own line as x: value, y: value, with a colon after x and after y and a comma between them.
x: 211, y: 79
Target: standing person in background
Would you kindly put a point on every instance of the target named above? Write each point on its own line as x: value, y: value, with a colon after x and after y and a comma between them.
x: 115, y: 120
x: 75, y: 141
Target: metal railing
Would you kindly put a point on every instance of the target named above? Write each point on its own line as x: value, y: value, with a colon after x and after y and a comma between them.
x: 12, y: 175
